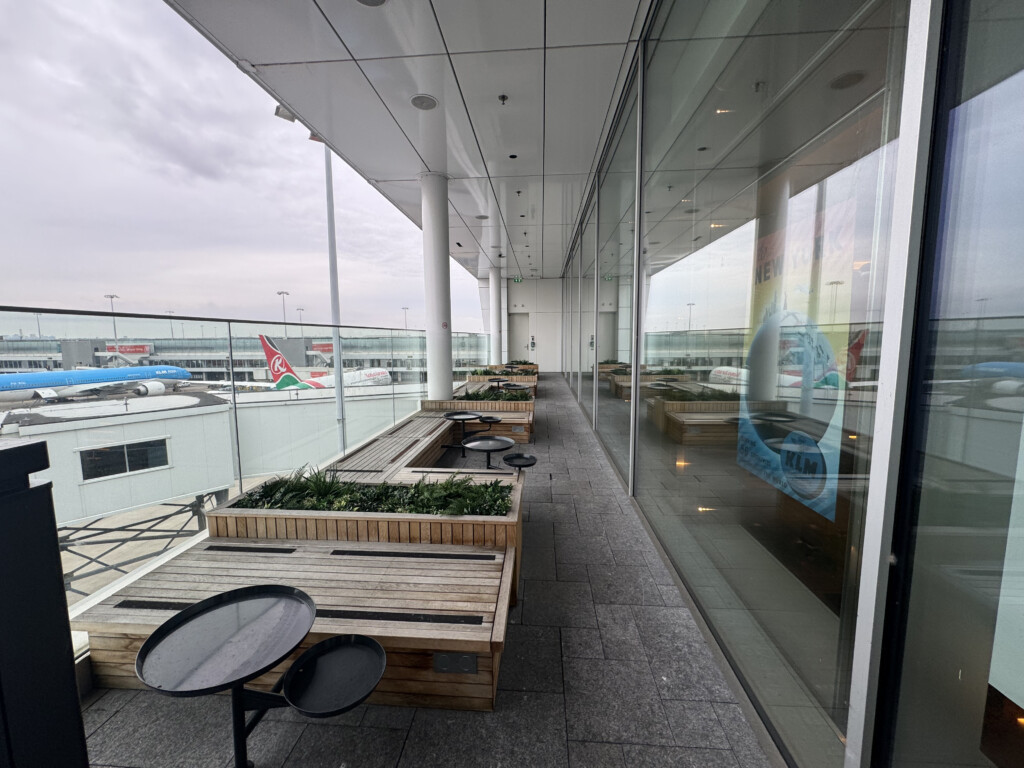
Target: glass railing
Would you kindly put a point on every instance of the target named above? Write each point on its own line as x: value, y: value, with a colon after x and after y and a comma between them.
x: 152, y: 420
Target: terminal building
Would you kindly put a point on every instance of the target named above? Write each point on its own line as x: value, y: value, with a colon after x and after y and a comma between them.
x: 820, y: 200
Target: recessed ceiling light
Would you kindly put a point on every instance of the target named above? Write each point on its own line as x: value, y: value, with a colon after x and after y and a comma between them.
x: 692, y: 210
x: 686, y: 200
x: 459, y: 244
x: 717, y: 226
x: 423, y: 101
x: 372, y: 3
x: 702, y: 149
x: 698, y: 237
x: 655, y: 242
x: 522, y: 215
x: 722, y: 111
x: 846, y: 80
x: 482, y: 216
x: 512, y: 157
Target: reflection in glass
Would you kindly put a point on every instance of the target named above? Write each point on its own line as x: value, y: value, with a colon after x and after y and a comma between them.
x: 616, y: 204
x: 588, y: 345
x: 768, y: 145
x: 961, y: 683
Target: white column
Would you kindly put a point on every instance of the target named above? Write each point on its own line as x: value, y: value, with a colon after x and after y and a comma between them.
x: 494, y: 283
x: 434, y: 191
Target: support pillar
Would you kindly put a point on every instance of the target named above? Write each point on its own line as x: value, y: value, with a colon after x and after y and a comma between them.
x: 437, y: 284
x: 494, y: 283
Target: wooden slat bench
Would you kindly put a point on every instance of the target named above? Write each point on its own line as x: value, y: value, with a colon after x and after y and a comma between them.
x: 418, y: 441
x: 417, y: 600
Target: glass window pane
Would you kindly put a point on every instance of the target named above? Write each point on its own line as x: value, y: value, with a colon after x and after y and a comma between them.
x: 768, y: 148
x: 961, y: 686
x: 146, y: 455
x: 616, y: 204
x: 102, y: 462
x: 588, y: 347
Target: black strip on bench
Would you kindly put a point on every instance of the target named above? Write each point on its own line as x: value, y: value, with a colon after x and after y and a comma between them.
x: 155, y: 605
x: 271, y: 550
x: 427, y: 555
x: 424, y: 618
x: 326, y: 613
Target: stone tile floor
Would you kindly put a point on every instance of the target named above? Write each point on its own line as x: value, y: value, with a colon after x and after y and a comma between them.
x: 603, y: 664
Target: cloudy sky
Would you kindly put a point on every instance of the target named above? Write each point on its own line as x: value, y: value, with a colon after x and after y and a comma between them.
x: 137, y: 160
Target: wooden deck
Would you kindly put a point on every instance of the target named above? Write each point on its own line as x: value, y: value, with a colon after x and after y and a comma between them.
x: 417, y: 600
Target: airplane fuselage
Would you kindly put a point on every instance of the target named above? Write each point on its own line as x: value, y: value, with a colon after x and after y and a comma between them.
x: 55, y: 385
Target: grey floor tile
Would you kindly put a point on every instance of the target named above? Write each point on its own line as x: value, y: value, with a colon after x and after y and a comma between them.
x: 590, y: 550
x: 619, y: 636
x: 677, y: 757
x: 693, y: 677
x: 270, y: 744
x: 695, y: 724
x: 525, y: 729
x: 532, y: 660
x: 741, y: 737
x: 572, y: 572
x: 613, y: 701
x: 152, y: 733
x: 583, y: 643
x: 559, y: 604
x: 587, y: 754
x: 330, y: 746
x: 378, y: 716
x: 538, y: 563
x: 668, y: 633
x: 623, y: 585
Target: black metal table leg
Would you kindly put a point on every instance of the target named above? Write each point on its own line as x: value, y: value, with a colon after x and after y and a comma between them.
x: 238, y: 727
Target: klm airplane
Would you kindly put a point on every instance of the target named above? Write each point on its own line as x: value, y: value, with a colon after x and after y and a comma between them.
x: 58, y: 385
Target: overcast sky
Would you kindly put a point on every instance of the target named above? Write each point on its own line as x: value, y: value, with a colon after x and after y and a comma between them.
x: 137, y: 160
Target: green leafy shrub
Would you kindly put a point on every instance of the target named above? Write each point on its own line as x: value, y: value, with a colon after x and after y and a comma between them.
x: 520, y: 362
x: 318, y: 489
x: 504, y: 395
x: 613, y: 361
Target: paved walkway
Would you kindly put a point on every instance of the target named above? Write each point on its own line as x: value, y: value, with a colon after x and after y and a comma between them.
x: 603, y: 665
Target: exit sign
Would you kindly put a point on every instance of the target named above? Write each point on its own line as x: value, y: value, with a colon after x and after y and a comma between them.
x: 517, y: 279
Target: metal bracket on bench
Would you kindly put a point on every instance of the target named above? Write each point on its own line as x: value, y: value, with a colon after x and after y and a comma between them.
x: 455, y: 663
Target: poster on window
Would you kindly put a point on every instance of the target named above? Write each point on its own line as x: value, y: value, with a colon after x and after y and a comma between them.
x: 798, y: 350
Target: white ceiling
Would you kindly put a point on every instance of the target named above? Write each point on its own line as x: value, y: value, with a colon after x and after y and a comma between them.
x: 348, y: 72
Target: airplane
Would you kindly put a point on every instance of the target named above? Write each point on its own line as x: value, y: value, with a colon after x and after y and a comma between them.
x: 286, y: 378
x: 142, y: 380
x: 793, y: 376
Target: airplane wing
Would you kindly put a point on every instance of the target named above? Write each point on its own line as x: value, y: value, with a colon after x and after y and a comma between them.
x: 141, y: 388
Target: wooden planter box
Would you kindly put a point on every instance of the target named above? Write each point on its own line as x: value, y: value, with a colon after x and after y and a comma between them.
x: 329, y: 525
x: 528, y: 380
x: 483, y: 406
x: 622, y: 386
x: 606, y: 367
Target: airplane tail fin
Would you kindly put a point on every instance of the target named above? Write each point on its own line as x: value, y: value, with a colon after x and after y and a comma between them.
x: 282, y: 372
x: 854, y: 352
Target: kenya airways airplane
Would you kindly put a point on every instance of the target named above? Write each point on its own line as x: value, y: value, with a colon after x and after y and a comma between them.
x: 792, y: 377
x: 286, y: 378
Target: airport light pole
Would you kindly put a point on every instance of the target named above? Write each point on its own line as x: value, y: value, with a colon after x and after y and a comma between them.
x: 406, y: 311
x: 834, y: 284
x: 302, y: 333
x: 284, y: 318
x: 689, y: 325
x: 170, y: 320
x: 39, y: 332
x: 113, y: 317
x: 332, y: 263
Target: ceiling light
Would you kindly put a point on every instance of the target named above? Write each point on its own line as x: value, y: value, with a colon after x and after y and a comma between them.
x: 846, y: 80
x: 512, y: 157
x: 692, y: 210
x: 722, y: 111
x: 423, y: 101
x: 686, y: 200
x: 372, y: 3
x: 459, y: 244
x: 522, y: 215
x: 717, y: 226
x: 482, y: 216
x: 655, y: 242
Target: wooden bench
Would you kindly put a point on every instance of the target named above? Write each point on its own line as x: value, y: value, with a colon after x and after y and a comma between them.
x: 439, y: 611
x: 701, y: 428
x: 419, y: 441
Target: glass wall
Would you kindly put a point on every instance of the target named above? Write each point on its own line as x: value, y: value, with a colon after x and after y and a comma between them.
x: 574, y: 320
x: 149, y: 420
x: 616, y: 205
x: 769, y: 138
x: 959, y: 678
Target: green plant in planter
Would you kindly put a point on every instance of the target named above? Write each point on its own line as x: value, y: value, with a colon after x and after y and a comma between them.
x: 481, y: 372
x: 504, y: 395
x: 520, y: 362
x: 613, y: 361
x: 704, y: 395
x: 318, y: 489
x: 621, y: 371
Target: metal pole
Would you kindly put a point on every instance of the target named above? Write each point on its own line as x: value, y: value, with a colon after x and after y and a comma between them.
x: 113, y: 317
x: 234, y: 404
x: 170, y: 321
x: 39, y: 331
x: 332, y: 260
x: 284, y: 318
x: 302, y: 331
